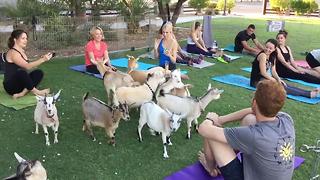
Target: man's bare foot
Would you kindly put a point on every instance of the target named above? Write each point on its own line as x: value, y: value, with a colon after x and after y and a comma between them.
x: 212, y: 171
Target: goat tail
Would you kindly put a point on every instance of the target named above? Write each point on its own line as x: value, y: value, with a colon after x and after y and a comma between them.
x: 85, y: 96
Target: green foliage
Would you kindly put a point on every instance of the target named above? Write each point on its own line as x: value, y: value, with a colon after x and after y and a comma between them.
x: 230, y: 4
x: 29, y: 8
x: 304, y: 6
x: 211, y: 8
x: 280, y: 4
x: 198, y: 4
x: 133, y: 11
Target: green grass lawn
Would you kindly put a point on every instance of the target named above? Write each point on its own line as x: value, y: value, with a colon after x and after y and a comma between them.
x: 77, y: 157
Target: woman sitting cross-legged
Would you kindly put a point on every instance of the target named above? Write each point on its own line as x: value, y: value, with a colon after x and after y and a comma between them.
x: 265, y: 61
x: 166, y: 48
x: 18, y: 81
x: 196, y: 44
x: 96, y: 50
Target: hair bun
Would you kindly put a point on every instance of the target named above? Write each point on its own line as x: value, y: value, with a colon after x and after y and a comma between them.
x: 283, y: 32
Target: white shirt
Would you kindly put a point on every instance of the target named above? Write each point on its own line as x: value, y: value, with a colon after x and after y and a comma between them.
x: 316, y: 54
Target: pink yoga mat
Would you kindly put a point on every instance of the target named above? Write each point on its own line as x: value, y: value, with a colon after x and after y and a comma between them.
x: 196, y: 171
x: 302, y: 63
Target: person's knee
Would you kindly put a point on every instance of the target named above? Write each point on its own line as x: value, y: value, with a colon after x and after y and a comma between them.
x: 39, y: 73
x: 249, y: 119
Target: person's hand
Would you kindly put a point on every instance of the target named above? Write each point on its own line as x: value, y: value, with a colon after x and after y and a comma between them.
x: 214, y: 118
x: 114, y: 68
x: 47, y: 56
x: 282, y: 82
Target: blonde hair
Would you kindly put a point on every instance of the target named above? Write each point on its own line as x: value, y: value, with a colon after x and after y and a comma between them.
x: 167, y: 25
x: 93, y: 29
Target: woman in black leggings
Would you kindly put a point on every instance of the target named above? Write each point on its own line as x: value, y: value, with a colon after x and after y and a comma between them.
x: 285, y: 65
x: 17, y: 80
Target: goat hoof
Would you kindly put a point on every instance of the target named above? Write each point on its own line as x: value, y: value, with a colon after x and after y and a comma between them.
x: 94, y: 139
x: 188, y: 136
x: 140, y: 140
x: 165, y: 156
x: 48, y: 144
x: 56, y: 141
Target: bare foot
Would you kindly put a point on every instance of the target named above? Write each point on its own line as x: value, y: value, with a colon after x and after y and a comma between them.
x: 314, y: 93
x: 18, y: 95
x: 42, y: 92
x: 213, y: 172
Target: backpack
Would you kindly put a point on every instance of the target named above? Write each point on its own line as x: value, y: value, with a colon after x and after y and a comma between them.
x: 2, y: 62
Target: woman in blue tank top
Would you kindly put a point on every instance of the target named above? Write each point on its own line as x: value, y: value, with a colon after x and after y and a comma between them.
x: 166, y: 48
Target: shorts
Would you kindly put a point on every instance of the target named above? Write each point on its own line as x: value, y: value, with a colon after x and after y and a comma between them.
x: 233, y: 170
x: 312, y: 61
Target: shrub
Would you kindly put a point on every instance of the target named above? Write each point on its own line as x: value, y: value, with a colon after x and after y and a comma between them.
x: 230, y: 4
x: 304, y: 6
x: 198, y: 4
x: 280, y: 5
x: 211, y: 8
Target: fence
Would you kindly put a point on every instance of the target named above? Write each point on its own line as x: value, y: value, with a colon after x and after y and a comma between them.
x: 70, y: 33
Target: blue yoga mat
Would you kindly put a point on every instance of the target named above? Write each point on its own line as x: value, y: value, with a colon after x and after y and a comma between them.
x: 82, y: 68
x: 196, y: 171
x: 248, y: 69
x: 123, y: 62
x: 244, y: 82
x: 229, y: 48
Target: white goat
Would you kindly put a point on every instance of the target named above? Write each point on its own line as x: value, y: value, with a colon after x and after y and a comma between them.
x: 46, y: 114
x: 135, y: 96
x: 112, y: 80
x: 159, y: 120
x: 97, y: 113
x: 28, y: 170
x: 189, y: 108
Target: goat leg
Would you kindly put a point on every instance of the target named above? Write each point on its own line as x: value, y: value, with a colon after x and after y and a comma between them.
x: 196, y: 125
x: 46, y: 134
x: 37, y: 128
x: 169, y: 141
x: 55, y: 130
x: 164, y: 141
x: 189, y: 121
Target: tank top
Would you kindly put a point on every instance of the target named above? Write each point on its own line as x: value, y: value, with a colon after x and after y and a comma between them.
x: 163, y: 59
x: 279, y: 66
x: 11, y: 68
x: 256, y: 76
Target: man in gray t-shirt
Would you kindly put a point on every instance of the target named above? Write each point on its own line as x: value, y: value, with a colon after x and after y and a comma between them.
x: 266, y: 139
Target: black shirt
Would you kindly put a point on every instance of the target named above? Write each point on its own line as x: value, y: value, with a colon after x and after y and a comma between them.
x: 256, y: 76
x: 242, y: 36
x: 279, y: 66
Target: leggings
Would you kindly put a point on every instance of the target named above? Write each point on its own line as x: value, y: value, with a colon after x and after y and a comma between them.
x: 21, y: 80
x: 297, y: 91
x: 192, y: 48
x: 92, y: 69
x: 287, y: 73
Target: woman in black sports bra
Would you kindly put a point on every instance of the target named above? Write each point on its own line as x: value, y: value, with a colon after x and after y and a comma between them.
x: 18, y: 81
x: 264, y: 62
x: 285, y: 66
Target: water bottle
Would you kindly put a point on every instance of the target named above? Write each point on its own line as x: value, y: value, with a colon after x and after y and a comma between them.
x: 214, y: 44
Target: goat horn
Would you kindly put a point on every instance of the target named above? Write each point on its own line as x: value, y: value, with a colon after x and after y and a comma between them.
x: 19, y: 158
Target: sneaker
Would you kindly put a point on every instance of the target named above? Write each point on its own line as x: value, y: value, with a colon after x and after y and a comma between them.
x: 226, y: 58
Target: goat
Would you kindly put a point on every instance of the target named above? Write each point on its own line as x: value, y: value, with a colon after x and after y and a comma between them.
x: 190, y: 108
x: 112, y: 80
x: 135, y: 96
x: 28, y: 170
x: 98, y: 113
x: 46, y: 114
x: 159, y: 120
x: 182, y: 92
x: 141, y: 76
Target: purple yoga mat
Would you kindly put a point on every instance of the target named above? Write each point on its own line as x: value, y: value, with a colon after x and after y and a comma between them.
x: 196, y: 171
x: 302, y: 63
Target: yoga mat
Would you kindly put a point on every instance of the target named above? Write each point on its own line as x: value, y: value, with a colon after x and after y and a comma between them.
x: 196, y: 171
x: 229, y: 48
x: 82, y: 68
x: 302, y: 63
x: 123, y: 62
x: 244, y: 82
x: 207, y: 31
x: 248, y: 69
x: 17, y: 104
x: 203, y: 64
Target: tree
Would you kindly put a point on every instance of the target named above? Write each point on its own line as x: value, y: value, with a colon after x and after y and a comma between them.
x: 230, y: 4
x: 29, y: 8
x: 304, y: 6
x: 198, y: 4
x: 77, y: 7
x: 280, y: 5
x: 164, y: 12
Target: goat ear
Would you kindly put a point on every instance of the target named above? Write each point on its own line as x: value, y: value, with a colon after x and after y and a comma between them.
x: 56, y: 96
x: 137, y: 59
x: 209, y: 86
x: 170, y: 113
x: 19, y: 158
x: 219, y: 91
x: 39, y: 98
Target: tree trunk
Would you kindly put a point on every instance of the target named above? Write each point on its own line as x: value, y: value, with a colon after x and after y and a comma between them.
x: 177, y: 11
x: 163, y: 9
